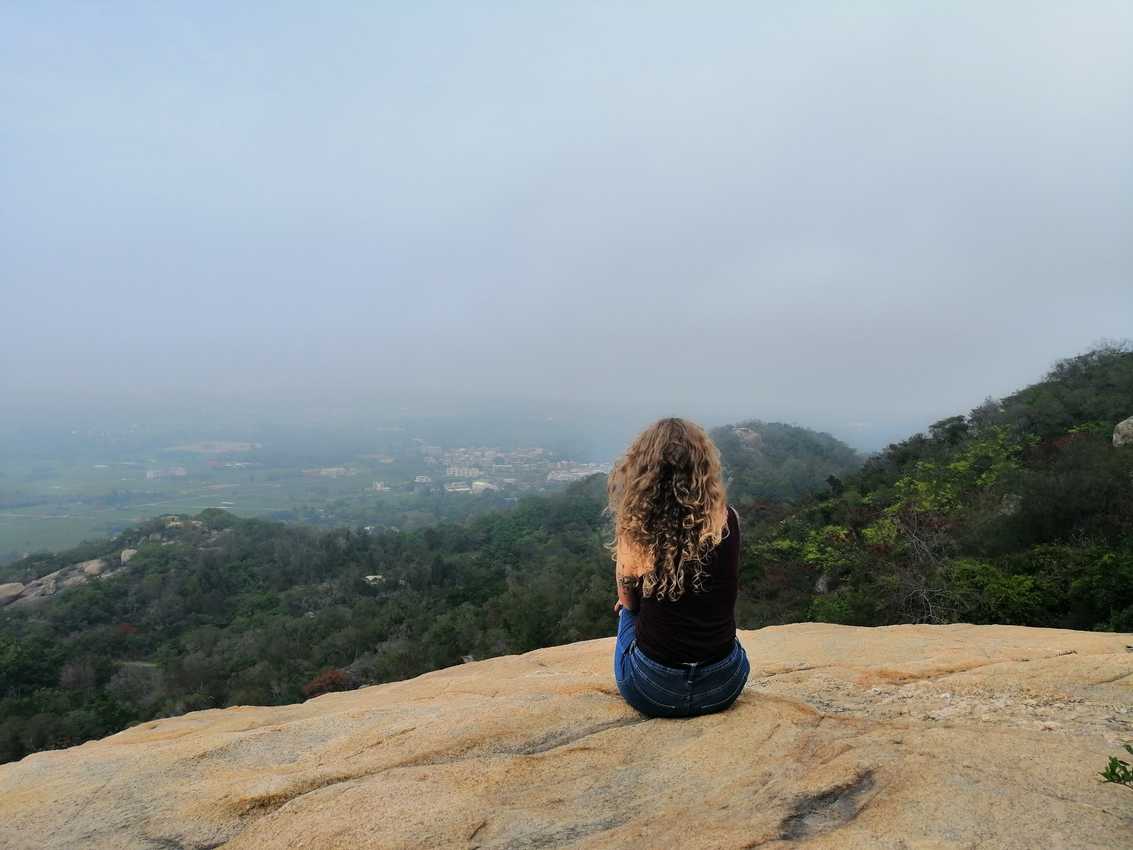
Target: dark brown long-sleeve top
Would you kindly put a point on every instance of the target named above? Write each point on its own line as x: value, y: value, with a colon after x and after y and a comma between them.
x: 698, y: 626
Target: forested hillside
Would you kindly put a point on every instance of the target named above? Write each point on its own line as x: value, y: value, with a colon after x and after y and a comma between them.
x: 771, y: 460
x: 226, y: 611
x: 1020, y: 512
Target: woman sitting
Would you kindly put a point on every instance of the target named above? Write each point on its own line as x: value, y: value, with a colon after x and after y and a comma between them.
x: 676, y: 548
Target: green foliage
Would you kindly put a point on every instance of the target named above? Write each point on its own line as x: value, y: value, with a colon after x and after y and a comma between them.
x: 1118, y: 770
x: 1095, y: 387
x: 831, y: 549
x: 883, y: 533
x: 984, y: 593
x: 1020, y: 512
x: 846, y: 606
x: 944, y: 486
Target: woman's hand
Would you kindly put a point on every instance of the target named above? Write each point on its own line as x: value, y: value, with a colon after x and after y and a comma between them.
x: 618, y: 607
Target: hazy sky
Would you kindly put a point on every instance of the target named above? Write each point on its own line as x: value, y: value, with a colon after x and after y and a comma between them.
x: 859, y: 216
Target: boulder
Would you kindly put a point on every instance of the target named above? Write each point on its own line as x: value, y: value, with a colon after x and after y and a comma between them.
x: 1123, y: 433
x: 895, y: 738
x: 92, y: 568
x: 10, y: 592
x: 127, y: 554
x: 41, y: 587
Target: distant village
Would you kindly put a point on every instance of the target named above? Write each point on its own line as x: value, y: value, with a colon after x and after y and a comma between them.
x: 399, y: 479
x: 470, y: 470
x: 424, y: 467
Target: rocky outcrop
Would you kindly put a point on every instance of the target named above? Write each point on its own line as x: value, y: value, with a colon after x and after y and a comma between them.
x: 45, y: 585
x: 93, y: 567
x: 897, y: 738
x: 74, y: 575
x: 10, y: 592
x: 1123, y: 433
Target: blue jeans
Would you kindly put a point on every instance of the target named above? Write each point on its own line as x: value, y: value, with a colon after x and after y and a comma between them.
x: 662, y: 691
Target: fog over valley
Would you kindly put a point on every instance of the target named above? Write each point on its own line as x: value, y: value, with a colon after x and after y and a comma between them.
x: 859, y: 221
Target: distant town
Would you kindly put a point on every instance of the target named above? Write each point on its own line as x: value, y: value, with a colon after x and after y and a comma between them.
x: 405, y: 482
x: 458, y: 470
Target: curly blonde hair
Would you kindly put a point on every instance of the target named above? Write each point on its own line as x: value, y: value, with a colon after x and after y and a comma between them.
x: 669, y: 506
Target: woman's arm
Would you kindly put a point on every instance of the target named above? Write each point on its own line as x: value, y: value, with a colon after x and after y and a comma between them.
x: 628, y: 580
x: 629, y: 592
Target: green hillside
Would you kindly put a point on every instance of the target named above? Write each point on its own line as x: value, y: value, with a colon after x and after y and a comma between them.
x: 1019, y: 512
x: 225, y: 611
x: 773, y: 461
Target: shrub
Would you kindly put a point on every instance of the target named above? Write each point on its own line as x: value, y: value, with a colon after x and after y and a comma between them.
x: 1118, y: 770
x: 328, y: 680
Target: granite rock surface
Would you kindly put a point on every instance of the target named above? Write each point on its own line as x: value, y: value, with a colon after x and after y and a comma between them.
x: 894, y: 738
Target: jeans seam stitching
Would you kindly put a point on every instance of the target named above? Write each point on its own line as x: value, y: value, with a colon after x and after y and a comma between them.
x: 657, y: 685
x: 643, y: 694
x: 732, y: 696
x: 727, y: 683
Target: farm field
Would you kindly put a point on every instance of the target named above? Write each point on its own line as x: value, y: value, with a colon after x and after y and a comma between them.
x: 65, y: 504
